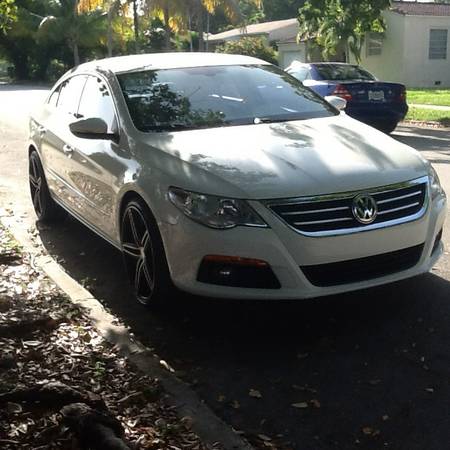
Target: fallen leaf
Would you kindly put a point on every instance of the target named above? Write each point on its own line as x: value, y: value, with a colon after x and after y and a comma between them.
x: 254, y: 393
x: 367, y: 430
x: 166, y: 366
x: 265, y: 438
x: 300, y: 405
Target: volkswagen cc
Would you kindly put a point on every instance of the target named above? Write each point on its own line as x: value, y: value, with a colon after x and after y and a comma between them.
x: 223, y: 176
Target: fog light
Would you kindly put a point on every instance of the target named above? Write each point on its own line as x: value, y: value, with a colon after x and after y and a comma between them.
x: 235, y: 271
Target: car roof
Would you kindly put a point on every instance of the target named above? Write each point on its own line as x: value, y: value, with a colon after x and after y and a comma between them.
x: 154, y: 61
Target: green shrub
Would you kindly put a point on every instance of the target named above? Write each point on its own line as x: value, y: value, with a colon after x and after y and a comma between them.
x: 250, y: 46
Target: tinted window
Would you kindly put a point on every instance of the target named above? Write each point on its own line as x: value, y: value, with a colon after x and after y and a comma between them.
x: 70, y: 94
x: 217, y: 96
x: 342, y: 72
x: 96, y: 101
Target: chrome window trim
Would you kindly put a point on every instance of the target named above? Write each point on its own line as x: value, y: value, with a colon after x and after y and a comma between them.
x: 350, y: 194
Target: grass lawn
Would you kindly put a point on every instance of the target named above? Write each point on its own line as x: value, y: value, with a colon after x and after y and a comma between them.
x: 429, y: 115
x: 430, y: 96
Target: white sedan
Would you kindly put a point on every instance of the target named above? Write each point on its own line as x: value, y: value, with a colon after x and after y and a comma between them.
x: 223, y: 176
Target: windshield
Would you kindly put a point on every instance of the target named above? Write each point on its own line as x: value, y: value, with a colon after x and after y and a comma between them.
x: 342, y: 72
x: 206, y: 97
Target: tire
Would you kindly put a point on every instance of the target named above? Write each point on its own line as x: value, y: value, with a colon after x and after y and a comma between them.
x: 144, y: 256
x: 46, y: 209
x: 387, y: 127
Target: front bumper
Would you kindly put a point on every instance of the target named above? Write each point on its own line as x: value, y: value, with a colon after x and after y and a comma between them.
x: 286, y: 251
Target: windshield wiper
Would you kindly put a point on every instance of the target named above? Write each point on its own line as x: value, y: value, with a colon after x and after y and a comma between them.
x: 258, y: 120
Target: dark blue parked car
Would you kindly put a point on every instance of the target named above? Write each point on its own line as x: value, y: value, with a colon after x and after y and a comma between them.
x: 374, y: 102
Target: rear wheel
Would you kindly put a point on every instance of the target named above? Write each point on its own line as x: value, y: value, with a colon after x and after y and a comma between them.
x: 46, y: 209
x: 387, y: 127
x: 144, y: 255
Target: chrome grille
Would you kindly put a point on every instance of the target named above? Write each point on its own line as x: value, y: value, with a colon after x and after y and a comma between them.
x: 332, y: 214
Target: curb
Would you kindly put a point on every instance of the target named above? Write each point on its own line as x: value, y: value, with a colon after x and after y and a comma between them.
x: 209, y: 427
x: 424, y: 124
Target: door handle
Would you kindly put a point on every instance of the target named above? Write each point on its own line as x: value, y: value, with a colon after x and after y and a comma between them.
x: 68, y: 150
x: 41, y: 130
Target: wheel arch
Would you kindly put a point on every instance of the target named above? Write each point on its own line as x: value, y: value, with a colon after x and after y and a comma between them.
x: 128, y: 196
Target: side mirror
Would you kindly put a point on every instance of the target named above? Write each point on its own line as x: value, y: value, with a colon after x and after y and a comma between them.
x: 338, y: 102
x: 92, y: 128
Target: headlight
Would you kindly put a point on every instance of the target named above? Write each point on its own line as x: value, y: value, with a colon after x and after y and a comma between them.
x: 435, y: 184
x: 215, y: 212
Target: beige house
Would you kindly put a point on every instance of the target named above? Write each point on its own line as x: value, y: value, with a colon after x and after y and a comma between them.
x: 413, y: 50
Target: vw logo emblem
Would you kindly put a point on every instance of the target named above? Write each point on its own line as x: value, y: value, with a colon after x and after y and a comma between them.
x: 364, y: 208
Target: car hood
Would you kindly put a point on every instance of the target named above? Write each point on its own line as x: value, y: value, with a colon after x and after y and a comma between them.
x: 290, y: 159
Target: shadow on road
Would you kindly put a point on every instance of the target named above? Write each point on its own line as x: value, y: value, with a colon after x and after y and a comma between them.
x: 432, y: 140
x: 371, y: 366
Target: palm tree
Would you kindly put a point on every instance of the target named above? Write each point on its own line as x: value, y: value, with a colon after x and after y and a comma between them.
x: 75, y: 26
x: 179, y: 14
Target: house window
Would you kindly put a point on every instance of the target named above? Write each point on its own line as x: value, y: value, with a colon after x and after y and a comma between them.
x: 374, y: 44
x: 438, y: 44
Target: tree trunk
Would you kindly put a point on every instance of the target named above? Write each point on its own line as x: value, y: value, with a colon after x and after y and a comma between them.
x: 207, y: 31
x: 109, y: 42
x: 191, y: 44
x: 200, y: 28
x: 136, y: 27
x: 76, y: 54
x: 166, y: 18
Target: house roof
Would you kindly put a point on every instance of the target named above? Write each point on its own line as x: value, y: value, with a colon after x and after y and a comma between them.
x: 421, y: 9
x: 275, y: 31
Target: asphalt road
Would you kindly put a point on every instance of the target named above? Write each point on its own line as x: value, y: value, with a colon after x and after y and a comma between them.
x: 373, y: 367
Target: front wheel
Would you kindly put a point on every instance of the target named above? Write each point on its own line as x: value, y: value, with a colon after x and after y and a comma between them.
x: 144, y: 255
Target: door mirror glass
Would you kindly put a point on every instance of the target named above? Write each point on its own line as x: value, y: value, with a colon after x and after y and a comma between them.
x: 338, y: 102
x: 91, y: 128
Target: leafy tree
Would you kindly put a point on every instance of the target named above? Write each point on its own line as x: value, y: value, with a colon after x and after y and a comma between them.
x: 281, y: 9
x: 74, y: 26
x: 250, y: 46
x: 8, y: 13
x: 329, y: 23
x: 18, y: 43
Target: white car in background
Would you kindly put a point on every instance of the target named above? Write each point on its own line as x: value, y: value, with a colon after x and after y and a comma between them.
x: 225, y: 177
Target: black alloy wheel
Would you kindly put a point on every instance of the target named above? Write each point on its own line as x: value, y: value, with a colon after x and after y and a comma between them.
x: 44, y: 206
x: 144, y: 255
